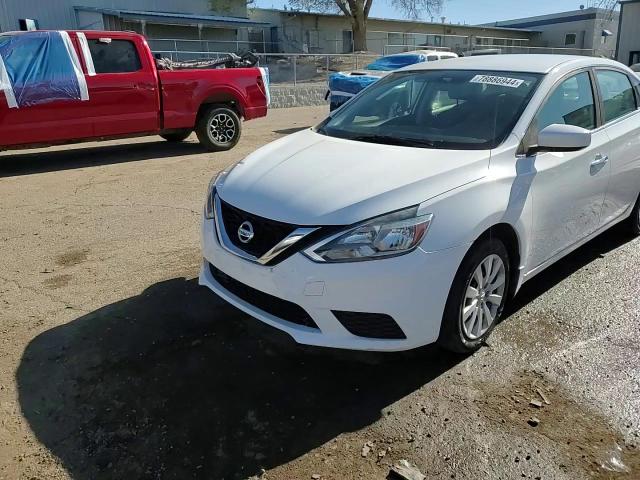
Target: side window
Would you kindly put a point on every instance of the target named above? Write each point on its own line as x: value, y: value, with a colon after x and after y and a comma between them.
x: 617, y: 94
x: 114, y: 56
x: 571, y: 103
x: 431, y: 58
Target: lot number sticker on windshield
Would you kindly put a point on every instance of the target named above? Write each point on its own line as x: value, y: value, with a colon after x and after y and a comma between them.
x: 495, y: 80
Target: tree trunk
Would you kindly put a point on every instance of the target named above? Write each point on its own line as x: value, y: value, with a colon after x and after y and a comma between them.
x: 359, y: 28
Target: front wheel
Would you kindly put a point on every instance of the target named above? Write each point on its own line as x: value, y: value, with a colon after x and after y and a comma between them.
x: 477, y: 297
x: 218, y: 128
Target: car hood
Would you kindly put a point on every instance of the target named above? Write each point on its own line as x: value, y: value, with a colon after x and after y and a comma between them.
x: 311, y: 179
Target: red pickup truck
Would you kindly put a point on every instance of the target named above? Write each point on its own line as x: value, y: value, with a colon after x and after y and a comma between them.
x: 73, y: 86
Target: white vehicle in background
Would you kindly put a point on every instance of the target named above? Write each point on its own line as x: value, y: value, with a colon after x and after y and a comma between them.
x: 388, y: 229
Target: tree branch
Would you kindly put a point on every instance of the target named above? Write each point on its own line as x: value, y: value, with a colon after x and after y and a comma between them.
x: 353, y: 7
x: 342, y: 6
x: 367, y: 7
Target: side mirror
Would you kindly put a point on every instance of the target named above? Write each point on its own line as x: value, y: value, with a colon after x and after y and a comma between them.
x: 562, y: 138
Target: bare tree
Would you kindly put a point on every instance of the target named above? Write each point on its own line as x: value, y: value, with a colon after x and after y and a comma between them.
x: 357, y: 11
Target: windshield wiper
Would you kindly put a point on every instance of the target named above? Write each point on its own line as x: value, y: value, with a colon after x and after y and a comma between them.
x: 391, y: 140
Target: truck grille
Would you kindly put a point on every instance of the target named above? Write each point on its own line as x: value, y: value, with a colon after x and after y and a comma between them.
x: 267, y: 233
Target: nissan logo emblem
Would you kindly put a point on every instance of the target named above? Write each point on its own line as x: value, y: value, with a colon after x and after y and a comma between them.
x: 245, y: 232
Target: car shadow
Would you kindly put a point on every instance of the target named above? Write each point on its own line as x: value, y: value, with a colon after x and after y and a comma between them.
x: 27, y: 162
x: 175, y: 383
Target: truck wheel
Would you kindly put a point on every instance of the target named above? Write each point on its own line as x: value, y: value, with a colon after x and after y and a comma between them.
x: 178, y: 136
x: 218, y: 128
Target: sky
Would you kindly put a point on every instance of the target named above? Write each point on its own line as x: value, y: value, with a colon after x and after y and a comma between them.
x: 469, y: 11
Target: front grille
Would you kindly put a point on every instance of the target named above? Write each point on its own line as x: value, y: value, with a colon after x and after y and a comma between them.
x: 277, y: 307
x: 267, y: 233
x: 370, y: 325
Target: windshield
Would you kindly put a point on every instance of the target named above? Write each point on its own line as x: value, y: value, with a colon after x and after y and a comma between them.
x: 453, y: 109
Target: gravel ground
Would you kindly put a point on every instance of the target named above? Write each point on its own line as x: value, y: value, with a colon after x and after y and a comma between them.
x: 115, y: 364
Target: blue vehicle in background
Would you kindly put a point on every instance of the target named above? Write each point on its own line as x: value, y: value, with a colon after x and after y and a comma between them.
x: 344, y: 85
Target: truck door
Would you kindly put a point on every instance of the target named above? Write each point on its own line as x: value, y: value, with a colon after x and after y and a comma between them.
x: 123, y: 92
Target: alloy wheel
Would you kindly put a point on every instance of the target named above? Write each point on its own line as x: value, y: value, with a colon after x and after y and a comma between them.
x: 222, y: 128
x: 483, y: 297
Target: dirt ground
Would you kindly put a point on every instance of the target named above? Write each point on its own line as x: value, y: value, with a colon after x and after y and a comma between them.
x: 114, y: 364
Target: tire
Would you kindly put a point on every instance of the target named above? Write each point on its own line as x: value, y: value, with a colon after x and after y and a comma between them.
x: 218, y: 128
x: 466, y: 336
x: 634, y: 219
x: 178, y: 136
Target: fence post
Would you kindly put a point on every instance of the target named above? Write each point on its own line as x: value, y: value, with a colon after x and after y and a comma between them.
x: 295, y: 73
x: 327, y: 67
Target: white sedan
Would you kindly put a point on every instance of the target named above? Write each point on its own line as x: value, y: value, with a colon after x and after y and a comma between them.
x: 411, y: 215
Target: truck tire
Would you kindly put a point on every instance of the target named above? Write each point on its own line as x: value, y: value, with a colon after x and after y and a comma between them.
x: 218, y: 128
x: 178, y: 136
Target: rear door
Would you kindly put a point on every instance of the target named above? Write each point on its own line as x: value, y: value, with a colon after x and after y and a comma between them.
x: 123, y: 92
x: 42, y: 122
x: 621, y: 118
x: 569, y: 187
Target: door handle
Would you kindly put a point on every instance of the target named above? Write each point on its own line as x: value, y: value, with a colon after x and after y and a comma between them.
x: 599, y: 160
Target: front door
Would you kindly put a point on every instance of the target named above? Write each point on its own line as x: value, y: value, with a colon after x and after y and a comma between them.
x: 123, y: 93
x: 569, y: 187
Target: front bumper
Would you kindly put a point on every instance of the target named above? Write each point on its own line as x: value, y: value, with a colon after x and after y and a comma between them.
x: 412, y: 289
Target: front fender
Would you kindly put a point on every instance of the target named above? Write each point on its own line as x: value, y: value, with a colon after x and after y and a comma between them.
x: 462, y: 215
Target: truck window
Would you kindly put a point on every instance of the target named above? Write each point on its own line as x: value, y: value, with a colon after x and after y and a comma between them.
x: 114, y: 56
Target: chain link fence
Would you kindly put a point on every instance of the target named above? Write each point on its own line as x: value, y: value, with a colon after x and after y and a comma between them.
x: 304, y: 68
x: 299, y: 79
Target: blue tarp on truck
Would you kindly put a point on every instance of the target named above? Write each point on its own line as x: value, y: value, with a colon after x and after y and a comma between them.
x: 344, y: 85
x: 40, y: 67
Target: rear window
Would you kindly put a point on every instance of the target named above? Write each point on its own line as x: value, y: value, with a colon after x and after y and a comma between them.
x: 114, y: 56
x: 617, y: 94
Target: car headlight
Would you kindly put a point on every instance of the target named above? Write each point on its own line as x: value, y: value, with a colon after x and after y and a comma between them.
x: 209, y: 205
x: 392, y: 234
x: 214, y: 184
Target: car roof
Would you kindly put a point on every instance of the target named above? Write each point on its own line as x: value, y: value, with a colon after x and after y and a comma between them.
x: 531, y: 63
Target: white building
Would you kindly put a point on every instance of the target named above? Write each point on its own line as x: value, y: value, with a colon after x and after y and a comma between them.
x: 628, y: 51
x: 592, y: 29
